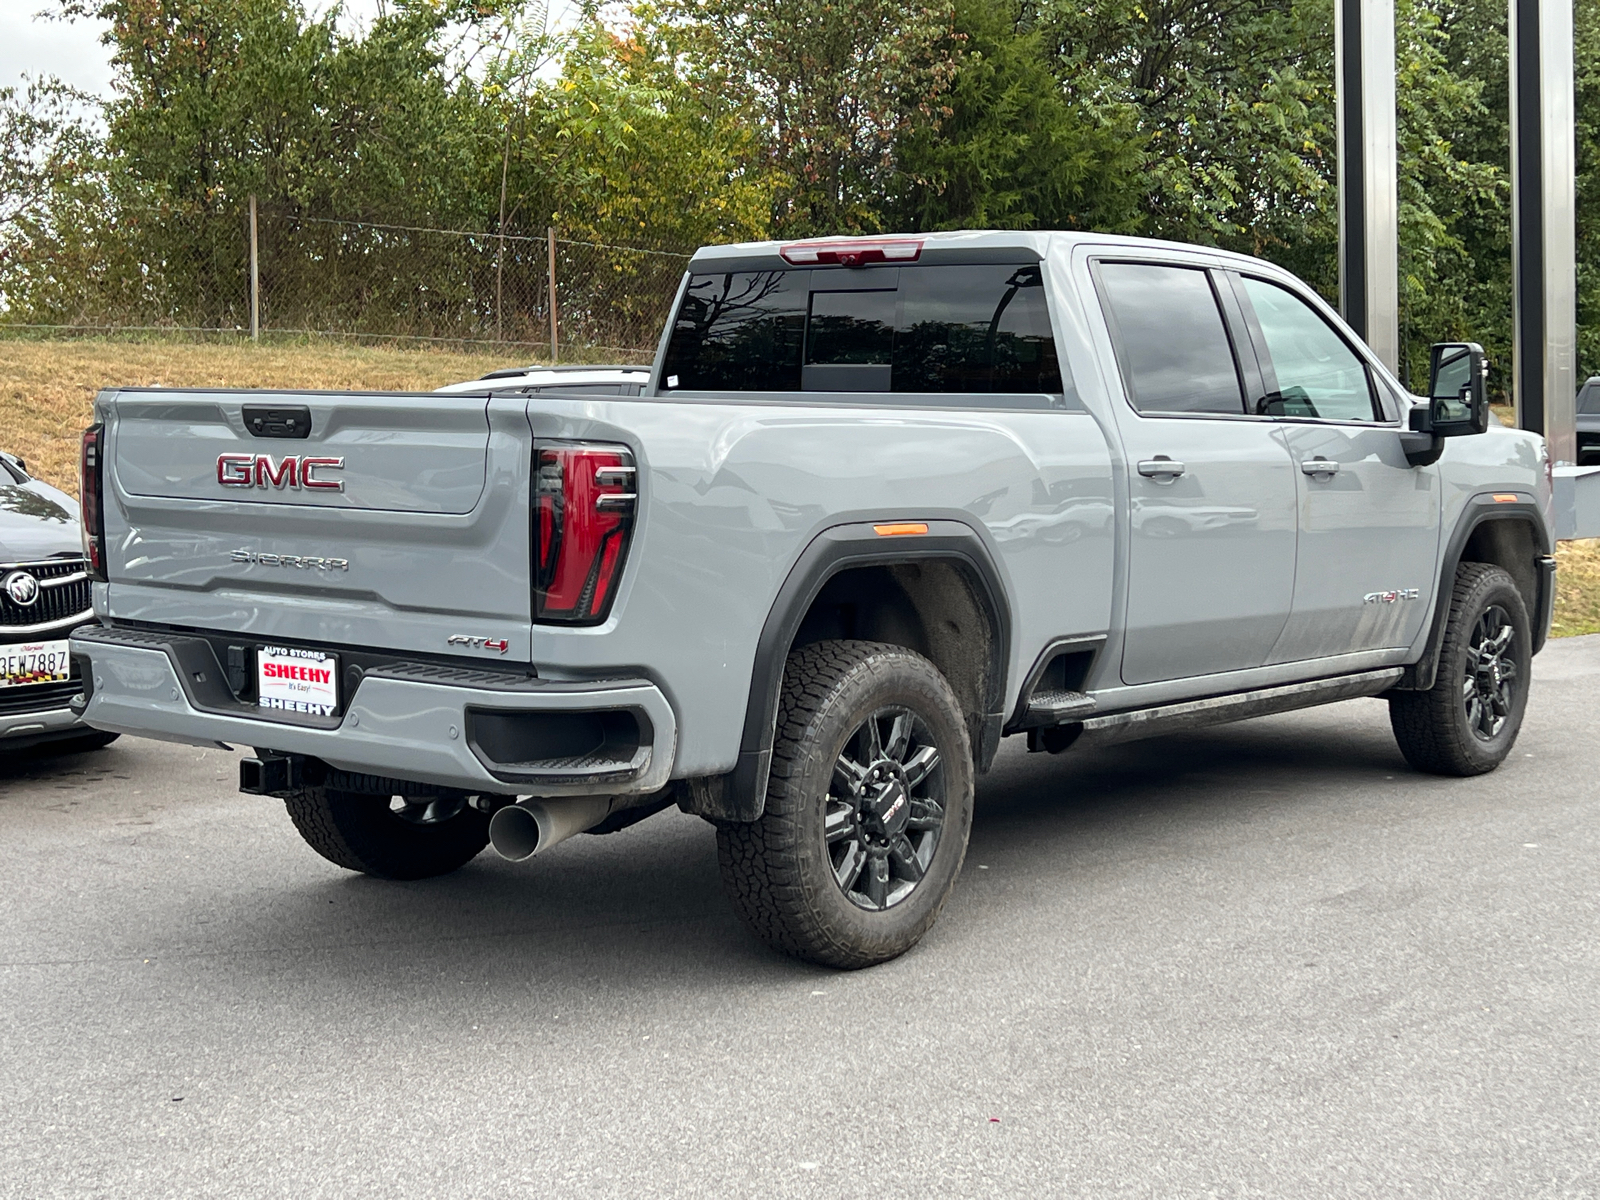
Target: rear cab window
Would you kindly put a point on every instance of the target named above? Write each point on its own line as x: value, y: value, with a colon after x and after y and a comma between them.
x: 929, y: 329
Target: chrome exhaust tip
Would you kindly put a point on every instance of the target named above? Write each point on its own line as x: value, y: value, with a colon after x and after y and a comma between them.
x: 519, y: 831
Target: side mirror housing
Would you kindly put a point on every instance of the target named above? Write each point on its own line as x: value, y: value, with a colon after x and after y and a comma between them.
x: 1458, y: 392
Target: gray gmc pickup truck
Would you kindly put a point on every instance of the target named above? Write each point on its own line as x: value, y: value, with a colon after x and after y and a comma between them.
x: 882, y: 503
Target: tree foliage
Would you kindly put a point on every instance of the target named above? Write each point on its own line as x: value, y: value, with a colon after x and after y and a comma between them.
x: 677, y: 122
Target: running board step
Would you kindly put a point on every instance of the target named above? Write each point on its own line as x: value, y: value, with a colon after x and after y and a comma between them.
x: 1217, y: 710
x: 1053, y: 706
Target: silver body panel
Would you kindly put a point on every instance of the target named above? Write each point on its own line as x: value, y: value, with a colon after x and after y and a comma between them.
x: 732, y: 490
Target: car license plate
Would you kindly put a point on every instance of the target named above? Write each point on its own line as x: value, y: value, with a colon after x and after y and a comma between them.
x: 298, y: 681
x: 24, y: 663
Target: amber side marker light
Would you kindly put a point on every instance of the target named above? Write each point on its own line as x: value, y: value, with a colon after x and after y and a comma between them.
x: 901, y: 528
x: 1504, y: 498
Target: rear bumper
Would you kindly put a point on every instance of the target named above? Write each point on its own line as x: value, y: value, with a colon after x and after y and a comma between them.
x: 453, y: 729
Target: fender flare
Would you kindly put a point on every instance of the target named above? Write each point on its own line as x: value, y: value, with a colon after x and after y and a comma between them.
x: 740, y: 795
x: 1481, y: 509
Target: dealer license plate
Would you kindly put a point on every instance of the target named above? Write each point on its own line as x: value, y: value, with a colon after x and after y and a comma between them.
x: 23, y: 663
x: 298, y: 681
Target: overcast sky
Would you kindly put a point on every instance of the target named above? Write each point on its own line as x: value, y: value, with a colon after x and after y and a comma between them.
x: 73, y: 51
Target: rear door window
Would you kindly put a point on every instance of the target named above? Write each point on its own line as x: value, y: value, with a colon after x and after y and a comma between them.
x: 1171, y: 342
x: 981, y: 329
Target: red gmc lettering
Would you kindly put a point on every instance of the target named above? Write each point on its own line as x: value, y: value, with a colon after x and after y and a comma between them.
x: 284, y: 473
x: 307, y: 465
x: 233, y: 470
x: 261, y: 470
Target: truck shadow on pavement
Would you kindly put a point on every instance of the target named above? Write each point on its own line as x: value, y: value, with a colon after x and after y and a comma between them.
x: 648, y: 903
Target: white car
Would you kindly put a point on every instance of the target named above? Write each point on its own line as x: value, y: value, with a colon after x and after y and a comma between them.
x: 604, y: 381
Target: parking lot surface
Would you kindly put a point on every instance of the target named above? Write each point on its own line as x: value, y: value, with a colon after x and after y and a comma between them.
x: 1264, y: 960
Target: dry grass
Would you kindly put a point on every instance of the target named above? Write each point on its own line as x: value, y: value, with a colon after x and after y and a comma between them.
x: 1577, y: 588
x: 47, y: 391
x: 47, y: 388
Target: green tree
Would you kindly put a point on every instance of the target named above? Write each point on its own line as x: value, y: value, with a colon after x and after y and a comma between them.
x: 833, y: 87
x: 1012, y: 148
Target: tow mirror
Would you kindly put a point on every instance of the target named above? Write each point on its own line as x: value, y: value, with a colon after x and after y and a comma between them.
x: 1458, y: 393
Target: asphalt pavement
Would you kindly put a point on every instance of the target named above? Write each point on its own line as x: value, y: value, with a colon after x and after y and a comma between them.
x: 1262, y: 960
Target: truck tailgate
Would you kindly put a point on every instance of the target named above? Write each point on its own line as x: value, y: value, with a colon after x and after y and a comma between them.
x: 396, y: 453
x: 391, y: 512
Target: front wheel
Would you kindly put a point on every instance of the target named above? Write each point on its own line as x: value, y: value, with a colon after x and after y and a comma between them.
x: 1468, y: 721
x: 868, y: 808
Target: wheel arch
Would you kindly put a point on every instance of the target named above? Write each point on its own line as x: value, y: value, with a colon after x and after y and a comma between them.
x: 1511, y: 535
x: 939, y: 594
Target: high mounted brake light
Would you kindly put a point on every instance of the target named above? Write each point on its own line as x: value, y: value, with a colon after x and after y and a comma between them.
x: 91, y: 502
x: 584, y: 501
x: 856, y: 252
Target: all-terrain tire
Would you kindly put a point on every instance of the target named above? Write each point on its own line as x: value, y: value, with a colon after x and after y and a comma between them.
x: 787, y: 872
x: 359, y: 831
x: 1437, y: 730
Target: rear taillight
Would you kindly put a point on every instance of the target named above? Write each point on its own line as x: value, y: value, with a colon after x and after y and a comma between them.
x: 91, y: 492
x: 584, y: 499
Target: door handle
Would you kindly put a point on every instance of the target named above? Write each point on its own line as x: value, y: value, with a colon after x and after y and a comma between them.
x: 1161, y: 469
x: 1319, y: 466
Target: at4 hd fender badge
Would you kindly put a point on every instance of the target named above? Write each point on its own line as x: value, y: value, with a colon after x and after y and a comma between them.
x: 478, y: 643
x: 1393, y: 597
x: 292, y: 471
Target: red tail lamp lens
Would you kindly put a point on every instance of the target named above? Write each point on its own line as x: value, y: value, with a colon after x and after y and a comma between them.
x: 584, y: 503
x: 90, y: 499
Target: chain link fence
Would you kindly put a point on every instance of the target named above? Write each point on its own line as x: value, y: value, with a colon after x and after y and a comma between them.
x: 322, y: 277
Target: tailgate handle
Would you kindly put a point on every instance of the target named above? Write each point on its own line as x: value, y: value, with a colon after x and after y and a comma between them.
x: 278, y: 421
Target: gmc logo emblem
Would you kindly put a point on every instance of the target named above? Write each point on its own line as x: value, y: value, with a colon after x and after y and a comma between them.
x: 259, y: 470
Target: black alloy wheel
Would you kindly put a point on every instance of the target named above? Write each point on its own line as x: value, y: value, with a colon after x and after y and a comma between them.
x: 1491, y: 674
x: 885, y: 811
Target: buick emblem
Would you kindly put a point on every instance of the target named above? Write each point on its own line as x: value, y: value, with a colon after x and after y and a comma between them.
x: 22, y: 588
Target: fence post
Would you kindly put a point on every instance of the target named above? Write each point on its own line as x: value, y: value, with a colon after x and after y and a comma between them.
x: 255, y: 277
x: 550, y: 241
x: 499, y: 284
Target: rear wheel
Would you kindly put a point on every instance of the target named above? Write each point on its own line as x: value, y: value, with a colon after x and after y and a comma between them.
x: 1468, y: 722
x: 390, y: 837
x: 867, y: 811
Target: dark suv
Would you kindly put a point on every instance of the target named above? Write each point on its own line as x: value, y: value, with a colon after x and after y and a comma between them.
x: 44, y: 596
x: 1589, y: 423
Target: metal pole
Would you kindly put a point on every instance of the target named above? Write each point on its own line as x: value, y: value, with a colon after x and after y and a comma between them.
x: 1543, y: 241
x: 499, y: 284
x: 255, y: 277
x: 1369, y: 206
x: 550, y: 241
